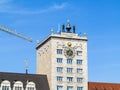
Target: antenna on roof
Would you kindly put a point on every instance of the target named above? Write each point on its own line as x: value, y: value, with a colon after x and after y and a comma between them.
x: 26, y: 62
x: 74, y: 28
x: 58, y: 29
x: 63, y: 28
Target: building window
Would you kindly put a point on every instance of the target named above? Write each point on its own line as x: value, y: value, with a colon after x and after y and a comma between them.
x: 59, y: 51
x: 59, y: 87
x: 59, y: 78
x: 18, y: 88
x: 79, y: 80
x: 69, y: 70
x: 79, y: 62
x: 59, y: 60
x: 69, y: 61
x: 59, y: 69
x: 79, y: 70
x: 79, y: 53
x: 5, y: 87
x: 69, y: 79
x: 30, y: 88
x: 18, y: 85
x: 79, y: 88
x: 69, y: 87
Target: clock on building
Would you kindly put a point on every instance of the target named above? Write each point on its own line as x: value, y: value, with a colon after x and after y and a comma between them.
x: 69, y: 51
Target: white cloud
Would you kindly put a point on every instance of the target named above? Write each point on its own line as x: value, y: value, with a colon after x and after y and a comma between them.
x: 2, y: 2
x: 59, y: 6
x: 14, y: 10
x: 5, y: 5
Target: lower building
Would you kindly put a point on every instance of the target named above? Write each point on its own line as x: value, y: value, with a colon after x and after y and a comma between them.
x: 103, y: 86
x: 18, y: 81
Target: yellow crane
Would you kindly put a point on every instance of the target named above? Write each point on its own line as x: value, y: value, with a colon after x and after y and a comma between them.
x: 5, y: 29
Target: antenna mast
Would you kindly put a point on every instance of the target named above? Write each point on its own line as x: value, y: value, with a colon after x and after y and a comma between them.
x: 26, y: 62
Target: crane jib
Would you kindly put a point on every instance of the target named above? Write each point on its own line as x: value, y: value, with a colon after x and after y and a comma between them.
x: 15, y: 33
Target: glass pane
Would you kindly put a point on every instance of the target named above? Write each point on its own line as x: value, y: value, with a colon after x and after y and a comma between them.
x: 69, y: 87
x: 59, y: 87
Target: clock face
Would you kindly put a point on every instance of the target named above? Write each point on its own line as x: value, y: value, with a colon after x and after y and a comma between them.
x: 69, y: 52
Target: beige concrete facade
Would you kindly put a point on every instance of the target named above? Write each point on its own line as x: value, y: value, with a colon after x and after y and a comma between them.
x: 47, y: 61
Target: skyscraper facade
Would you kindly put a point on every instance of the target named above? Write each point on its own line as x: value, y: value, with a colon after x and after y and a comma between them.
x: 63, y: 58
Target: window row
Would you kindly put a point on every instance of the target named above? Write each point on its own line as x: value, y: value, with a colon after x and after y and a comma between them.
x: 16, y: 88
x: 60, y: 51
x: 70, y: 79
x: 18, y: 85
x: 69, y: 88
x: 69, y: 61
x: 69, y: 70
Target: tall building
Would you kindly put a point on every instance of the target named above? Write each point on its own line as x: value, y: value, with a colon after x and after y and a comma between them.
x: 63, y: 58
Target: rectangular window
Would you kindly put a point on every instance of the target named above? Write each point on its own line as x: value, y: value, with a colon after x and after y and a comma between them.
x: 30, y: 88
x: 59, y: 51
x: 69, y: 70
x: 79, y: 62
x: 69, y: 61
x: 69, y: 87
x: 79, y: 53
x: 79, y: 80
x: 59, y: 87
x: 69, y: 79
x: 59, y: 60
x: 79, y: 70
x: 5, y: 87
x: 59, y: 78
x: 18, y: 88
x: 79, y: 88
x: 59, y: 69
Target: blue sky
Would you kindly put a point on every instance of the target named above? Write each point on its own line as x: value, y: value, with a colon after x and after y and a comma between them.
x: 100, y: 19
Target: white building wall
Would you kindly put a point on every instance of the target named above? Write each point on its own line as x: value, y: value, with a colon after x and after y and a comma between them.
x: 59, y: 41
